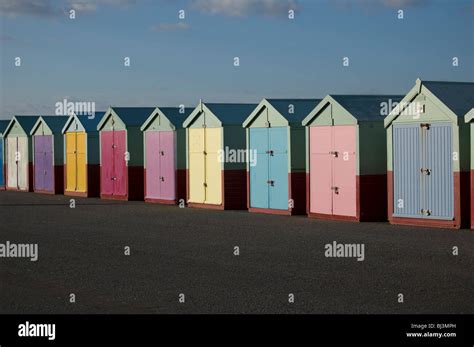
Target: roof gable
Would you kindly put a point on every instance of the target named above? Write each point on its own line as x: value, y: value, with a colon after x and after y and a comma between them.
x: 129, y: 116
x: 227, y: 114
x: 292, y: 110
x: 26, y: 123
x: 54, y: 123
x: 469, y: 116
x: 456, y: 98
x: 175, y: 115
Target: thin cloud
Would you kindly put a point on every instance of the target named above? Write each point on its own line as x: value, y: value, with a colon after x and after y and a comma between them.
x: 170, y: 27
x: 52, y: 8
x: 240, y: 8
x: 373, y: 4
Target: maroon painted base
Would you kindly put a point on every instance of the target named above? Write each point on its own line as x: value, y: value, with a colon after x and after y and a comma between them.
x: 207, y: 206
x: 333, y: 217
x: 134, y: 186
x: 180, y: 189
x: 29, y: 179
x: 93, y: 182
x: 234, y: 194
x: 58, y: 182
x: 371, y: 200
x: 472, y: 199
x: 296, y: 192
x: 270, y: 211
x: 114, y: 197
x: 461, y: 205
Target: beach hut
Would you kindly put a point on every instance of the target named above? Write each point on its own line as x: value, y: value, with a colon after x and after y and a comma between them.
x: 428, y: 148
x: 469, y: 118
x: 346, y: 157
x: 3, y: 126
x: 216, y: 155
x: 18, y: 153
x: 121, y: 152
x: 81, y: 155
x: 165, y: 155
x: 48, y: 146
x: 276, y: 178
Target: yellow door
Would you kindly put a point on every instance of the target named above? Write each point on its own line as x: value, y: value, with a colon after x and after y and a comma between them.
x: 81, y: 165
x: 71, y: 162
x: 196, y: 165
x: 213, y: 177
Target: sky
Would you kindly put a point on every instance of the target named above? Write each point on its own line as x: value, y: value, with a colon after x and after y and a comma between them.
x: 176, y: 61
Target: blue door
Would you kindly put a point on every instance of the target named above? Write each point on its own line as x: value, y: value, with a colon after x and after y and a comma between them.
x: 437, y: 173
x: 406, y: 170
x: 2, y: 180
x: 258, y: 142
x: 423, y: 183
x: 278, y: 168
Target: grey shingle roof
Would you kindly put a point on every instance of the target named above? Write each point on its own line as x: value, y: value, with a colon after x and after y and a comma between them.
x: 365, y: 107
x: 133, y: 116
x: 302, y: 107
x: 457, y: 96
x: 90, y: 124
x: 231, y: 114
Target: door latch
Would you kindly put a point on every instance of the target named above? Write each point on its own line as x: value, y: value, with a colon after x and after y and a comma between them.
x: 425, y: 126
x: 425, y: 212
x: 334, y: 153
x: 270, y: 152
x: 335, y: 189
x: 205, y: 184
x: 425, y: 171
x: 162, y: 179
x: 162, y: 153
x: 271, y: 182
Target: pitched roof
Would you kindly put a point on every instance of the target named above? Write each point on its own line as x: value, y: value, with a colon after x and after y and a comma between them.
x: 3, y: 125
x: 90, y: 124
x: 27, y: 122
x: 302, y: 107
x: 174, y: 114
x: 365, y: 107
x: 55, y: 123
x: 133, y: 116
x: 457, y: 96
x: 231, y: 114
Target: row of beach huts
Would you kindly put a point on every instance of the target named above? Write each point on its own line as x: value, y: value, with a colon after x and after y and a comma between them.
x: 406, y: 159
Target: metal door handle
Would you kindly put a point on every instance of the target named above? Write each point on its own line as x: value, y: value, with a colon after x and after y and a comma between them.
x: 271, y: 182
x: 205, y: 184
x: 425, y: 171
x: 162, y: 179
x: 335, y: 189
x: 162, y: 153
x: 425, y: 212
x: 334, y: 153
x: 205, y: 153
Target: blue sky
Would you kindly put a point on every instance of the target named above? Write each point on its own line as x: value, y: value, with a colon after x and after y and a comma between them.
x: 177, y: 61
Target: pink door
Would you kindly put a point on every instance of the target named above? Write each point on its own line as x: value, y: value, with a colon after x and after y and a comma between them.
x: 344, y: 171
x: 107, y: 165
x: 152, y: 143
x: 120, y: 165
x: 321, y: 170
x: 333, y: 170
x: 167, y: 166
